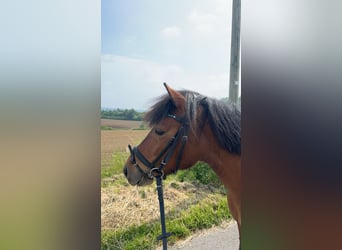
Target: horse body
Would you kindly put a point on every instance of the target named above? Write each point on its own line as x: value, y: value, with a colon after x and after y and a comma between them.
x: 188, y: 127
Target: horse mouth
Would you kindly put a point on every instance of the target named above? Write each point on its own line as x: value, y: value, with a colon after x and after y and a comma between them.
x: 144, y: 181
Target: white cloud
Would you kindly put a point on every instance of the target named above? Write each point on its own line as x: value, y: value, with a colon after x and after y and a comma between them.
x: 134, y: 83
x: 171, y: 31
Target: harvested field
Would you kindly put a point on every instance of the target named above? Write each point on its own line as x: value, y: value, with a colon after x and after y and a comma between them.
x: 113, y: 141
x: 121, y: 124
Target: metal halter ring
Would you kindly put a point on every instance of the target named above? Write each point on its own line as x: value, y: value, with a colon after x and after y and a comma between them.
x: 160, y: 173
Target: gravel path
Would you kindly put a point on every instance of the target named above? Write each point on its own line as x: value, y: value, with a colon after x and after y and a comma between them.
x: 224, y: 237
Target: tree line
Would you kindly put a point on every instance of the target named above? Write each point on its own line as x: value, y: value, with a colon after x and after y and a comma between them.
x: 132, y: 114
x: 122, y: 114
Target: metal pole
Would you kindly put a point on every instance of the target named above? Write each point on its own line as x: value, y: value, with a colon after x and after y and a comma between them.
x: 235, y: 52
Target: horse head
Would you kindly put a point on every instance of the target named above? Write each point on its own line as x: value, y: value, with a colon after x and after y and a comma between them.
x: 162, y: 150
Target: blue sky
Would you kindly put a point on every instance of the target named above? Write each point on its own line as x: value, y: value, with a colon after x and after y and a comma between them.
x: 145, y: 43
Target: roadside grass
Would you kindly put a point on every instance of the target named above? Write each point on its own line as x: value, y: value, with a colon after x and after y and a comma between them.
x: 211, y: 211
x: 199, y: 173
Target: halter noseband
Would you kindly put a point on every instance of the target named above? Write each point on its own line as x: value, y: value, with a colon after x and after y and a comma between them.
x: 169, y: 149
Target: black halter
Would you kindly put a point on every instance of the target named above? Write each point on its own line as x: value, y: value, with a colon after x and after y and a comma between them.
x: 181, y: 135
x: 157, y: 172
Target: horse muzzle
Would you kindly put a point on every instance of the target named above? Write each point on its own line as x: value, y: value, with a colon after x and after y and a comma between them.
x: 136, y: 178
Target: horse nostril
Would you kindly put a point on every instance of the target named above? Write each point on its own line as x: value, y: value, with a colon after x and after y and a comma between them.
x: 125, y: 171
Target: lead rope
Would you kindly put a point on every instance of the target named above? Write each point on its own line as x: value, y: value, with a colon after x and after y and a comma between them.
x: 164, y: 234
x: 159, y: 178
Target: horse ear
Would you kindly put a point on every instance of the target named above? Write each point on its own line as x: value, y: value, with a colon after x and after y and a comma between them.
x: 176, y: 97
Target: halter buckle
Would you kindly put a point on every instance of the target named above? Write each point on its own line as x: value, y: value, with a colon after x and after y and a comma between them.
x: 158, y: 171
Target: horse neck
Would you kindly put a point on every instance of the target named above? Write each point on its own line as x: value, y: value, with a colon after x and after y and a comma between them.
x: 226, y: 165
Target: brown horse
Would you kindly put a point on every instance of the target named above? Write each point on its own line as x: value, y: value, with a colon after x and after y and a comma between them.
x: 188, y: 127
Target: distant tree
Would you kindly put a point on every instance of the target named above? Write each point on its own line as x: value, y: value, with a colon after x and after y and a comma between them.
x: 129, y: 114
x: 122, y: 114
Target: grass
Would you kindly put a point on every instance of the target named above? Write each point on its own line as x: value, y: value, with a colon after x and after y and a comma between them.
x: 106, y: 127
x: 117, y: 162
x: 200, y: 173
x: 211, y: 211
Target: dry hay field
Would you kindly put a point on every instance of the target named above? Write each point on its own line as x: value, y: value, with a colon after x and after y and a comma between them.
x: 120, y: 124
x: 117, y: 140
x: 123, y: 206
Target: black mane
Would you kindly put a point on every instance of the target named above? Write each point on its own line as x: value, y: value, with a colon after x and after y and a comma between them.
x: 224, y: 118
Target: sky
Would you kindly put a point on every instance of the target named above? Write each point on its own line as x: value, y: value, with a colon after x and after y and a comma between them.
x: 146, y: 42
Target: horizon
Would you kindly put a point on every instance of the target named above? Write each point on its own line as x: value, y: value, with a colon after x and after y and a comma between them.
x: 143, y: 110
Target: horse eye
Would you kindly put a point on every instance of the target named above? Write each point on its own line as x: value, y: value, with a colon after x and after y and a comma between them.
x: 159, y: 132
